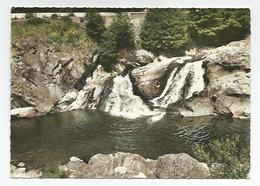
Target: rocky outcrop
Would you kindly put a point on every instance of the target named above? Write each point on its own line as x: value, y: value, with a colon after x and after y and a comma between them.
x: 128, y: 165
x: 227, y: 84
x: 42, y: 71
x: 180, y: 166
x: 90, y: 96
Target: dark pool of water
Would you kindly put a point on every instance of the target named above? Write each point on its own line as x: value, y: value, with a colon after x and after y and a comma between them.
x: 54, y: 138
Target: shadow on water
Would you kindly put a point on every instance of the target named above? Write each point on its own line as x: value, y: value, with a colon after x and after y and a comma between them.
x: 54, y: 138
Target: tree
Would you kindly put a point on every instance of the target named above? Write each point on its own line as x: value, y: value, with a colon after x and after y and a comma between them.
x: 119, y: 36
x: 164, y: 31
x: 95, y: 25
x: 215, y: 27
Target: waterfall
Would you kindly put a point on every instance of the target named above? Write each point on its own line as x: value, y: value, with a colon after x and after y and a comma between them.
x: 181, y: 84
x: 122, y: 102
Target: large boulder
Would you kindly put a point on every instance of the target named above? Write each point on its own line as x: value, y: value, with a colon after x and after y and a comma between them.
x: 150, y: 80
x: 180, y: 166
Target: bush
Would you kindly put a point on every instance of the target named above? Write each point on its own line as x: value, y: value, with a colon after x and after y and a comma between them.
x: 230, y: 158
x: 119, y: 36
x: 53, y: 171
x: 164, y: 31
x: 95, y: 25
x: 215, y: 27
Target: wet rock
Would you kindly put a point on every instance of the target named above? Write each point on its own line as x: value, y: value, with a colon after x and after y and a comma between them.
x: 180, y: 166
x: 150, y: 79
x: 66, y: 100
x: 237, y: 107
x: 197, y: 106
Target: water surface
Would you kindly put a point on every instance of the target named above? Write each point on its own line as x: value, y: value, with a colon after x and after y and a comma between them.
x: 54, y: 138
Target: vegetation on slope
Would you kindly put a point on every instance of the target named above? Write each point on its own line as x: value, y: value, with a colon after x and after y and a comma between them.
x: 227, y: 157
x: 58, y: 30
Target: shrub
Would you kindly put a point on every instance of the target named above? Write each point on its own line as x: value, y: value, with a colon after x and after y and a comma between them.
x: 53, y: 171
x: 95, y: 25
x: 164, y: 31
x: 231, y: 159
x: 215, y: 27
x: 58, y: 30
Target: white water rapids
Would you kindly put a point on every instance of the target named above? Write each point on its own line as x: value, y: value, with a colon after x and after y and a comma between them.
x: 122, y: 101
x: 176, y: 82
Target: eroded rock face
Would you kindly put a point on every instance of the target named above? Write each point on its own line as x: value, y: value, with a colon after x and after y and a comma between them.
x: 180, y: 166
x: 128, y: 165
x: 90, y: 96
x: 42, y: 71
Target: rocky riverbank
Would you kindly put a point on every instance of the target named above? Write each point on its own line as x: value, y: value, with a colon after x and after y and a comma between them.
x: 48, y: 78
x: 126, y: 165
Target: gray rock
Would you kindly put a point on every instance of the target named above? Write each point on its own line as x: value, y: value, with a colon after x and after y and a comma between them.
x: 120, y: 170
x: 42, y: 72
x: 74, y: 158
x: 127, y: 165
x: 24, y: 112
x: 144, y: 57
x: 180, y: 166
x: 21, y: 164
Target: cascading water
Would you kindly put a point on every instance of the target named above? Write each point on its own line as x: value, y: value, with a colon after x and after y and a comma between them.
x: 191, y: 74
x: 181, y: 84
x: 122, y: 102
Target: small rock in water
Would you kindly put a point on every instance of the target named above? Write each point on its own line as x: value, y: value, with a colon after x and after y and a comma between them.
x: 120, y: 170
x: 74, y: 158
x: 21, y: 164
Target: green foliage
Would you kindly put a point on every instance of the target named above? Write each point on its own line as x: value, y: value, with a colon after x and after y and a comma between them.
x: 119, y: 36
x: 58, y: 30
x: 164, y: 31
x: 215, y: 27
x: 95, y: 25
x: 233, y: 160
x: 54, y: 172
